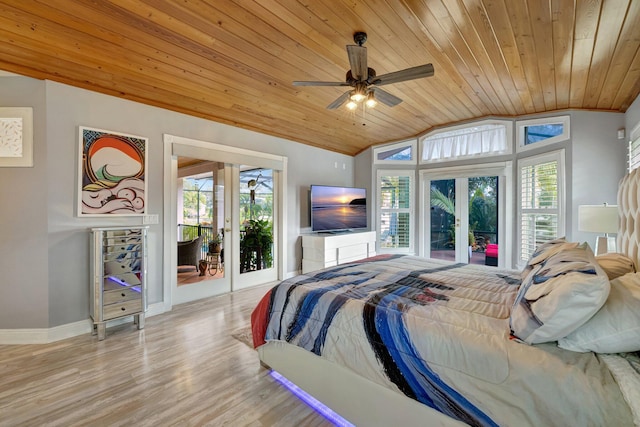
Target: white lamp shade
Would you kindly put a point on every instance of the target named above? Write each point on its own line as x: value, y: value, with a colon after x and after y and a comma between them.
x: 598, y: 218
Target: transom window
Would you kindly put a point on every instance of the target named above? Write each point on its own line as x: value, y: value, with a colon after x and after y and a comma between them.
x: 483, y: 139
x: 398, y: 153
x: 538, y: 132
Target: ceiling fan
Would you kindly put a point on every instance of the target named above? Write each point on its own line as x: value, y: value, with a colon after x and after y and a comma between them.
x: 365, y: 82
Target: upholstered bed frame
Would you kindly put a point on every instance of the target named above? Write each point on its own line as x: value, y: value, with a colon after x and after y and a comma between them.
x: 628, y: 239
x: 366, y: 403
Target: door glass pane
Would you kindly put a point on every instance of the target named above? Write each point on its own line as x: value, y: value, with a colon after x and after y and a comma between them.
x: 200, y: 221
x: 443, y: 202
x: 256, y: 219
x: 483, y: 220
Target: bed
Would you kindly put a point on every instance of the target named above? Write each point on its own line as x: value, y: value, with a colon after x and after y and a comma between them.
x: 405, y: 340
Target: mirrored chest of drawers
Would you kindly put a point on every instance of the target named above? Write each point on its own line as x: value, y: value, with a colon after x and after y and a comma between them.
x: 118, y: 270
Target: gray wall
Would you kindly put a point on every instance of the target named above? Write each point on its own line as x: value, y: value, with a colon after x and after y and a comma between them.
x: 44, y: 245
x: 364, y: 179
x: 599, y: 162
x: 632, y: 118
x: 24, y: 266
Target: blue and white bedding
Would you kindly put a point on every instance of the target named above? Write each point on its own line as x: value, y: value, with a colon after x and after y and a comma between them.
x: 439, y: 333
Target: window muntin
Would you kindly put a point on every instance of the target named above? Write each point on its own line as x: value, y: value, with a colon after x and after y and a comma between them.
x: 483, y: 139
x: 539, y: 132
x: 395, y: 211
x: 541, y: 201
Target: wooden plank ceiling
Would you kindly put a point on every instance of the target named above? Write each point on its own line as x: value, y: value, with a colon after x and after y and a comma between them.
x: 233, y: 61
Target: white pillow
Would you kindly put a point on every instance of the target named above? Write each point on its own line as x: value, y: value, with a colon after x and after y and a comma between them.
x: 616, y: 265
x: 616, y: 327
x: 559, y: 295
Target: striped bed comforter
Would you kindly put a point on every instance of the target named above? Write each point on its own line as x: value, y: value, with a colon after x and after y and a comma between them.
x: 439, y: 333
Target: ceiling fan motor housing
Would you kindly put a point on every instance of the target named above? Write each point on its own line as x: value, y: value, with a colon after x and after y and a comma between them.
x: 352, y: 81
x: 360, y: 37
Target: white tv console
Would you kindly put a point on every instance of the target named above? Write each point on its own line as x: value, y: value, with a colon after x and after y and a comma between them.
x: 327, y: 250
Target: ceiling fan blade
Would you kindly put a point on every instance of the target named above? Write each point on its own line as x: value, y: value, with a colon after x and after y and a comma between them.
x: 358, y: 62
x: 385, y: 97
x: 403, y: 75
x: 320, y: 84
x: 338, y: 102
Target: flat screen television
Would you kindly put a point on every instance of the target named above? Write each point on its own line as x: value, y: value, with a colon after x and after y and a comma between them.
x: 338, y: 208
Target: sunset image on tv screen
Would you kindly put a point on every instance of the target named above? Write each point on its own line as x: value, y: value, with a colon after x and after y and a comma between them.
x: 338, y: 208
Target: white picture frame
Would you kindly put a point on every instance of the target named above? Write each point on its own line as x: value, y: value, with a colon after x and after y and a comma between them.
x: 16, y: 137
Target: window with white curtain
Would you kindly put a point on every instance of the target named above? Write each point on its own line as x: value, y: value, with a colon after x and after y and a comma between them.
x: 482, y: 139
x: 395, y: 210
x: 541, y: 201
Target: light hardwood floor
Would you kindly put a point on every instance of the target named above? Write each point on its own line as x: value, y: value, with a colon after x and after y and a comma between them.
x: 183, y: 369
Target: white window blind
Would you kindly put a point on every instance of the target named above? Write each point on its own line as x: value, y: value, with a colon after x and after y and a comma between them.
x: 634, y: 154
x: 395, y: 211
x: 541, y: 184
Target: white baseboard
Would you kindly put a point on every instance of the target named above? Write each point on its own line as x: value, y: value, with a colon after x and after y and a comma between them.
x: 291, y: 274
x: 57, y: 333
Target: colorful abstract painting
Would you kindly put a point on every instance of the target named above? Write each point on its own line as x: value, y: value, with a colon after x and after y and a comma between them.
x: 112, y: 173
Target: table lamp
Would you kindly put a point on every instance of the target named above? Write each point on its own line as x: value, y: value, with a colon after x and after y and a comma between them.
x: 600, y: 219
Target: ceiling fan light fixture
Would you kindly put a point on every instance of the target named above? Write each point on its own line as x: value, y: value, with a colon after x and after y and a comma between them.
x: 371, y: 100
x: 359, y: 93
x: 351, y: 105
x: 357, y: 96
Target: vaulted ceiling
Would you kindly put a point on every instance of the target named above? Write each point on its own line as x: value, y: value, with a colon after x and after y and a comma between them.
x: 234, y: 61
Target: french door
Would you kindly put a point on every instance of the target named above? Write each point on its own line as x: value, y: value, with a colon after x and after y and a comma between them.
x: 464, y: 215
x: 203, y: 210
x: 256, y: 248
x: 247, y: 203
